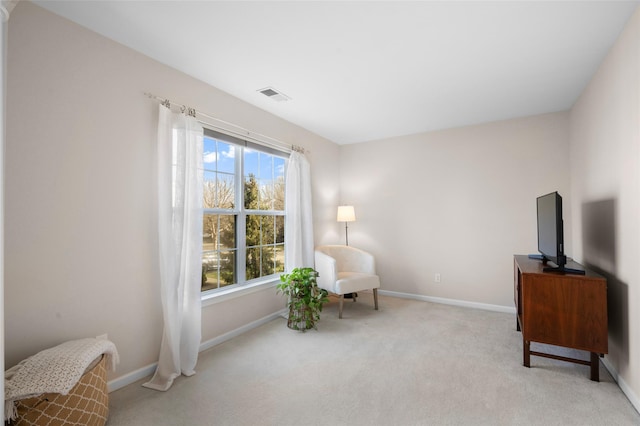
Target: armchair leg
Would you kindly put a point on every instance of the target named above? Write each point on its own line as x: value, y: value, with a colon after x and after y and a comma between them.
x: 340, y: 306
x: 375, y: 297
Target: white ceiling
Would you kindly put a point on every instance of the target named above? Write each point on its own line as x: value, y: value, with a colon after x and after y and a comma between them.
x: 358, y: 71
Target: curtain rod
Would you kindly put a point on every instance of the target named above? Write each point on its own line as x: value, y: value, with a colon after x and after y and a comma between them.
x: 239, y: 131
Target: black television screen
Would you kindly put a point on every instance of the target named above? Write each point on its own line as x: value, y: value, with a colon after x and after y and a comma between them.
x: 550, y: 228
x: 551, y: 232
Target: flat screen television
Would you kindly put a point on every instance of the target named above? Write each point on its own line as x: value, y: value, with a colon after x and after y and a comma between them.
x: 551, y: 233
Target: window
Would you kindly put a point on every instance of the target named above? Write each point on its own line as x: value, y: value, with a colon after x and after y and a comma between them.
x: 243, y: 215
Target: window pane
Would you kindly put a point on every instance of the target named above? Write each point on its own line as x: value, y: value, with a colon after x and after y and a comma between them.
x: 225, y: 191
x: 252, y: 230
x: 218, y: 191
x: 228, y: 268
x: 218, y: 270
x: 251, y: 193
x: 278, y: 196
x: 209, y: 190
x: 209, y: 270
x: 226, y: 157
x: 209, y: 232
x: 210, y: 154
x: 210, y: 261
x: 218, y: 232
x: 268, y: 261
x: 227, y: 232
x: 279, y: 250
x: 253, y: 263
x: 263, y: 258
x: 266, y: 166
x: 261, y: 261
x: 219, y: 174
x: 279, y: 231
x: 251, y: 162
x: 218, y: 156
x: 218, y: 250
x: 267, y: 195
x: 267, y: 229
x: 278, y: 168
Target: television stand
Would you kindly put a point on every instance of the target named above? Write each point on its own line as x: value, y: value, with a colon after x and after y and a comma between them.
x: 562, y: 310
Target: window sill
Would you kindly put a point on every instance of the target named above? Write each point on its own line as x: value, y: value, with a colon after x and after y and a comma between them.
x: 232, y: 293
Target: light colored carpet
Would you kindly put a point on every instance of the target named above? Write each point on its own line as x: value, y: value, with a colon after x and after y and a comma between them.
x: 410, y: 363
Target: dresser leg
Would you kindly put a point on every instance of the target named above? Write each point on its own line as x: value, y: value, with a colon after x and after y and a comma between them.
x: 526, y: 354
x: 595, y: 367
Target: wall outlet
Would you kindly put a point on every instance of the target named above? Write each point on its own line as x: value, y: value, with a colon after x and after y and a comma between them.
x: 104, y: 336
x: 436, y: 277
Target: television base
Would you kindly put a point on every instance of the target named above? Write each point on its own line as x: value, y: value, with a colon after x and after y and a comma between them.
x: 562, y: 270
x: 556, y: 269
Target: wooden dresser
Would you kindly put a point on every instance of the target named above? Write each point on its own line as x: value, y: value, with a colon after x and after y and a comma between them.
x: 561, y: 309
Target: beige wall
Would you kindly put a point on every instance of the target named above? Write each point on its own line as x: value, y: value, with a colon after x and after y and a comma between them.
x: 457, y: 202
x: 605, y: 154
x: 80, y: 238
x: 81, y: 256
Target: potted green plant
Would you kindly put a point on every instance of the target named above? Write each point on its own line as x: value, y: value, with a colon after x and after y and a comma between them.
x: 305, y: 297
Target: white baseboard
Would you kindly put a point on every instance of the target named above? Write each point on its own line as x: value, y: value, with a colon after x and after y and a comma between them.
x: 631, y: 396
x: 238, y: 331
x: 454, y: 302
x: 143, y: 372
x: 132, y: 377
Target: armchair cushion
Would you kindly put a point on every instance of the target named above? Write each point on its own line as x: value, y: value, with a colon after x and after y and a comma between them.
x: 351, y: 282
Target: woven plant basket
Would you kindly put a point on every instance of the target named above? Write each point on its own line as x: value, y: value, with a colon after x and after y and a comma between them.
x: 300, y: 318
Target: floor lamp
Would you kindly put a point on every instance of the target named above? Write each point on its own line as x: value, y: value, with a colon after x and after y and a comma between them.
x: 346, y: 214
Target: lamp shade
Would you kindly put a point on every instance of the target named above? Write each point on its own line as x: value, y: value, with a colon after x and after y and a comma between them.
x: 346, y: 214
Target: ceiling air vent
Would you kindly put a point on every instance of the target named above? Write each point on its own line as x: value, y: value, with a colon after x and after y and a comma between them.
x: 274, y: 94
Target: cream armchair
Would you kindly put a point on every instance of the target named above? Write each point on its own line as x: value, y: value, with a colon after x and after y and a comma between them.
x: 343, y: 270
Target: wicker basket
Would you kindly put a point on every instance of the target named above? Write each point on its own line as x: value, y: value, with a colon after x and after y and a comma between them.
x: 300, y: 318
x: 87, y: 403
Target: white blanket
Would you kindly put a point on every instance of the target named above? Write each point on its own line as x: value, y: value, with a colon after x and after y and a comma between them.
x: 54, y: 370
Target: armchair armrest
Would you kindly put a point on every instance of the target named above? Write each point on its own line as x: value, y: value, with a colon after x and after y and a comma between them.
x: 327, y: 271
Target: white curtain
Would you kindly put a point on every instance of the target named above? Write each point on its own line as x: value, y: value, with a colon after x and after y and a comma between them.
x: 4, y: 21
x: 180, y: 144
x: 299, y: 220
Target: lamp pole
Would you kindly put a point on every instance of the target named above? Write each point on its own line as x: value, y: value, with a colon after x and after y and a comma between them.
x: 346, y: 232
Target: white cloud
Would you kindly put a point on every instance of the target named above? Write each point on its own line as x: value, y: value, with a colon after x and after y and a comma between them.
x: 231, y: 153
x: 210, y: 157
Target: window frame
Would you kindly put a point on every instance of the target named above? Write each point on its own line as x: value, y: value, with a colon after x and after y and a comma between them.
x: 242, y: 286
